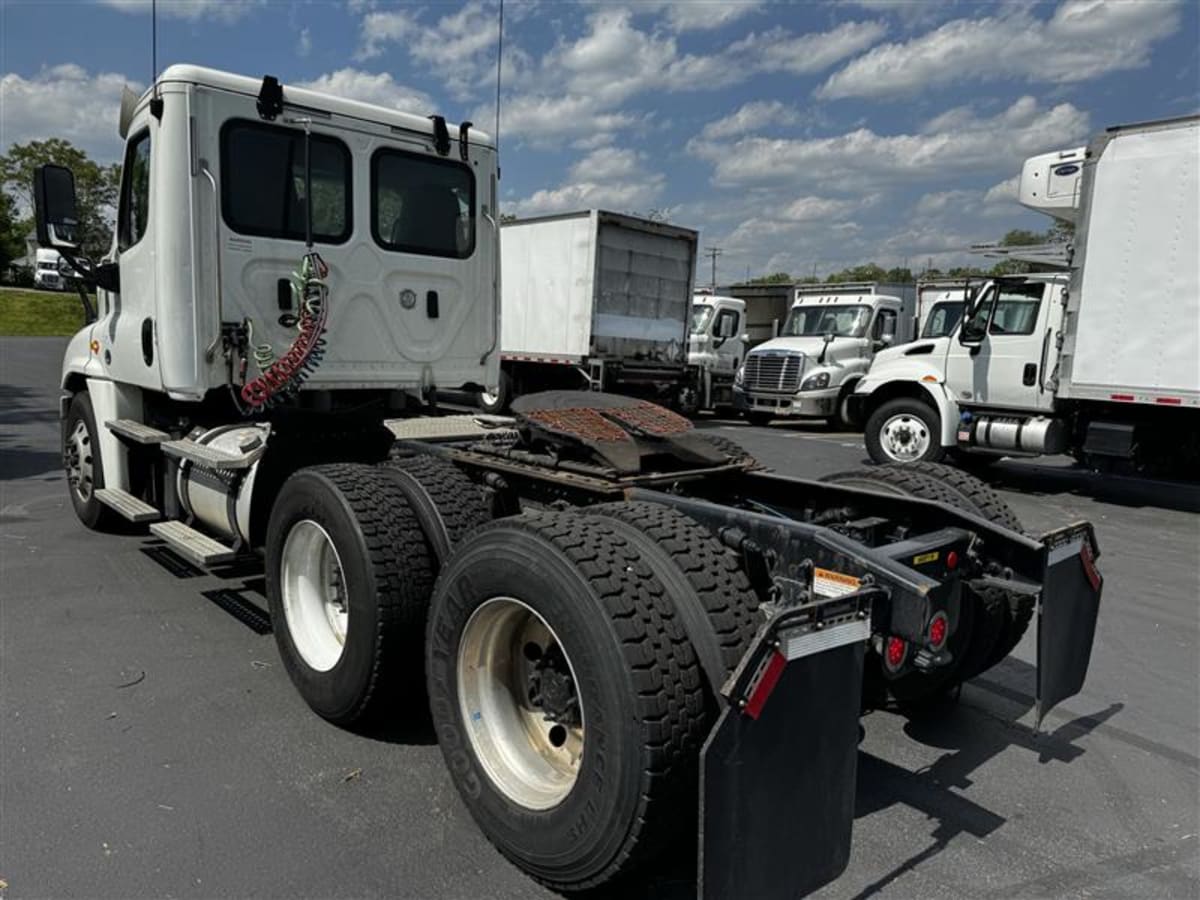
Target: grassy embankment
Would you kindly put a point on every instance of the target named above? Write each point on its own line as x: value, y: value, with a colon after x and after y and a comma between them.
x: 39, y: 313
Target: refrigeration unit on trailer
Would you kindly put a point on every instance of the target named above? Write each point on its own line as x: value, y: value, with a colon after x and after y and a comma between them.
x: 594, y: 300
x: 293, y: 276
x: 716, y: 347
x: 826, y: 345
x: 1101, y: 361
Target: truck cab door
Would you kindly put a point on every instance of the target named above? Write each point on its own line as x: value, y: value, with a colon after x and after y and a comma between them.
x: 127, y: 331
x: 1006, y: 369
x: 727, y: 336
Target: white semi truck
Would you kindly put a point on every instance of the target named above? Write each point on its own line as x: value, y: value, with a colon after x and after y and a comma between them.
x: 826, y: 345
x: 620, y: 624
x: 594, y: 300
x: 716, y: 347
x: 1101, y: 361
x: 47, y: 274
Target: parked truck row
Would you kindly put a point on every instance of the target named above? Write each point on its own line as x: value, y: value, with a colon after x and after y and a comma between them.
x: 622, y: 627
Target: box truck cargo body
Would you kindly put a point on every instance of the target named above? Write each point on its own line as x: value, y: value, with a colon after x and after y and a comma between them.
x: 594, y: 299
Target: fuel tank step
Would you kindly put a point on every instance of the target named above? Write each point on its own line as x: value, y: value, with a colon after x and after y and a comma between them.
x: 127, y: 505
x: 209, y: 457
x: 193, y: 545
x: 136, y: 431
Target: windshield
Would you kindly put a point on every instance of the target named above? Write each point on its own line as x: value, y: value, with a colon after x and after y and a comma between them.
x: 700, y: 318
x: 942, y: 319
x: 47, y: 265
x: 841, y: 321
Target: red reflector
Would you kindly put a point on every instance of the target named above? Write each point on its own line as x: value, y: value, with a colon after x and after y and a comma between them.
x: 938, y: 629
x: 762, y: 690
x: 1169, y: 401
x: 1124, y: 398
x: 952, y: 560
x: 895, y: 652
x: 1088, y: 558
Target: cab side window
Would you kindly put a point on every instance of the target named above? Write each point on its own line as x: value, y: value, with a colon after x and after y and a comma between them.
x: 882, y: 326
x: 1017, y: 309
x: 727, y: 323
x: 135, y: 192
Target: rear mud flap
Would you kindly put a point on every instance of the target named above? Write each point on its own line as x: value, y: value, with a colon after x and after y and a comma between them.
x: 1067, y: 611
x: 778, y: 770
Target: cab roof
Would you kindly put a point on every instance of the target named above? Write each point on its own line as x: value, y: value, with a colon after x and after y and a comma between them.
x: 319, y: 101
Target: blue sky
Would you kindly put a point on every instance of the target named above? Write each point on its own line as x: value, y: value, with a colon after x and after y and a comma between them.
x: 793, y: 135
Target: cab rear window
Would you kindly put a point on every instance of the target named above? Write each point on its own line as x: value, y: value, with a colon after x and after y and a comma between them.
x: 263, y: 186
x: 422, y: 204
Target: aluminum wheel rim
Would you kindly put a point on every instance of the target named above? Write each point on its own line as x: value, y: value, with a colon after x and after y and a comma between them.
x: 315, y: 602
x: 531, y: 759
x: 905, y: 437
x: 488, y: 398
x: 77, y: 457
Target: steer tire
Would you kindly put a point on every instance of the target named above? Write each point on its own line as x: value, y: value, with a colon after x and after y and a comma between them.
x: 387, y: 571
x: 88, y: 508
x: 700, y: 574
x: 632, y: 670
x: 981, y: 613
x: 460, y: 502
x: 497, y: 403
x: 914, y: 409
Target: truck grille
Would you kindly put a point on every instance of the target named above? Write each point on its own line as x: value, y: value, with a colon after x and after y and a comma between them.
x: 773, y: 372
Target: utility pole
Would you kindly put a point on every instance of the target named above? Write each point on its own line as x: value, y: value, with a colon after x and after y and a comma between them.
x: 712, y: 253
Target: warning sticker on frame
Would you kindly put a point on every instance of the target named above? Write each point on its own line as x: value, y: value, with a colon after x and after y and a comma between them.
x: 827, y: 583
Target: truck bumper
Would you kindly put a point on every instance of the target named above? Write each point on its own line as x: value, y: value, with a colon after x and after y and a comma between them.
x: 810, y: 404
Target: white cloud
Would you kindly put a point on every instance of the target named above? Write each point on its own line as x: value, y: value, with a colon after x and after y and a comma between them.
x: 699, y: 15
x: 225, y: 11
x: 460, y: 45
x: 1082, y: 40
x: 1004, y: 192
x: 303, y: 43
x: 65, y: 101
x: 862, y: 159
x: 582, y: 85
x: 749, y: 117
x: 779, y: 51
x: 608, y: 178
x: 940, y: 202
x: 369, y: 87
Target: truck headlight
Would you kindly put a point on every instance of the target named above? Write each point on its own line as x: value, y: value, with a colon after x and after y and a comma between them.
x: 815, y: 382
x: 740, y: 376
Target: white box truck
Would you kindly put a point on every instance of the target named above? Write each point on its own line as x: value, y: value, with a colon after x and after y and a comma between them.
x: 825, y: 346
x: 1101, y: 361
x: 595, y: 300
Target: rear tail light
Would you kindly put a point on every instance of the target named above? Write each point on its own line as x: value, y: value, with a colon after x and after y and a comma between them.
x: 895, y: 650
x: 939, y: 630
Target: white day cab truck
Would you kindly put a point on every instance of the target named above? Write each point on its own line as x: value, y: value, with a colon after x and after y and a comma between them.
x: 619, y: 624
x: 594, y: 300
x: 826, y: 345
x: 1101, y: 361
x: 48, y: 274
x: 717, y: 344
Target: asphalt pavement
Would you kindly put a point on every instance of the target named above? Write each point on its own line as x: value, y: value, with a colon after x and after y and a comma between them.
x: 151, y: 744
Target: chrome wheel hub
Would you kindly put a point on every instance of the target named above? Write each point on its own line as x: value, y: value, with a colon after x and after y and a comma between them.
x: 313, y: 590
x: 905, y: 438
x: 77, y: 458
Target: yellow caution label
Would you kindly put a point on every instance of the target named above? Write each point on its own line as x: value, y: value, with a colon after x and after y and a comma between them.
x: 827, y: 583
x: 925, y: 558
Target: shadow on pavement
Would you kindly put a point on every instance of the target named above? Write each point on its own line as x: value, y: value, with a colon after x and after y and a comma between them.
x: 1121, y: 490
x: 18, y: 406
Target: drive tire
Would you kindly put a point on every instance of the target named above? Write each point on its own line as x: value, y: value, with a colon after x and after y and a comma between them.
x: 460, y: 502
x: 497, y: 404
x: 904, y: 411
x: 700, y: 573
x: 635, y: 675
x: 738, y: 455
x: 81, y: 444
x: 387, y: 572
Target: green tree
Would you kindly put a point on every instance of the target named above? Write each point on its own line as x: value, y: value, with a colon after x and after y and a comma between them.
x: 12, y: 233
x: 1020, y: 237
x: 773, y: 278
x: 96, y: 186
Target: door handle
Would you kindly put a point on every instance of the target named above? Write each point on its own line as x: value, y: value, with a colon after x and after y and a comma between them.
x: 1029, y: 378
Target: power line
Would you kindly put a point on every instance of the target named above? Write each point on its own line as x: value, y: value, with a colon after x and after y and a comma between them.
x: 712, y: 253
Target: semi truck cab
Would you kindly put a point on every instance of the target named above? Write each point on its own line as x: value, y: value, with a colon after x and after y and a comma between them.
x: 824, y: 348
x: 716, y: 347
